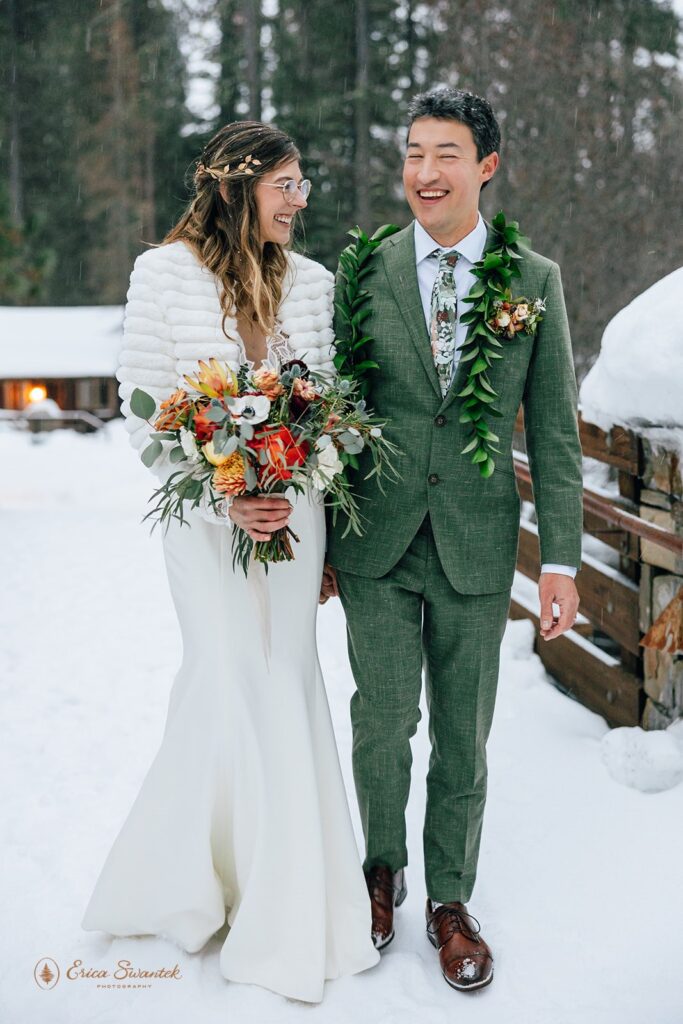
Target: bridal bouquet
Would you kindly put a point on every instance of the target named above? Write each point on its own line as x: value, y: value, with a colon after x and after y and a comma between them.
x: 259, y: 432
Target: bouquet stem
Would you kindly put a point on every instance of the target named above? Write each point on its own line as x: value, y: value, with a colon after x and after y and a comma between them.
x: 278, y: 548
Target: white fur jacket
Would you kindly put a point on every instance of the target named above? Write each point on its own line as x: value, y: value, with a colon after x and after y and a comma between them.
x: 173, y: 318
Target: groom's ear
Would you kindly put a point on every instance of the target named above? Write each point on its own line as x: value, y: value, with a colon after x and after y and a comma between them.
x: 489, y: 166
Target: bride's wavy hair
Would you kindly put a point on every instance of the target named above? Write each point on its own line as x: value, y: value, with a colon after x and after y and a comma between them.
x: 221, y: 222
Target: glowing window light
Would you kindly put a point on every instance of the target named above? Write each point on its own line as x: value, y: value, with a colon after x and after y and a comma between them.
x: 37, y: 393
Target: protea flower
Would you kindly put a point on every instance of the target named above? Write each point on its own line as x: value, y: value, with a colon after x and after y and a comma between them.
x: 214, y: 379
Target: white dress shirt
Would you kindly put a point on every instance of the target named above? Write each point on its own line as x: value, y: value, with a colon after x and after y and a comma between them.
x: 471, y: 249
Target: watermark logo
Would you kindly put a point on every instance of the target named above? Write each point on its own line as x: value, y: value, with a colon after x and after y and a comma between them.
x: 123, y: 974
x: 46, y: 972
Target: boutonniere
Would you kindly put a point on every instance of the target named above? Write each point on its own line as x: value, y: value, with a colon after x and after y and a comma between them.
x: 495, y: 317
x: 515, y: 315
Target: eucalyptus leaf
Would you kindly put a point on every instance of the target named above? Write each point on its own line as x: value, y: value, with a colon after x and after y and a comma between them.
x: 216, y: 414
x: 356, y: 448
x: 142, y: 404
x: 151, y: 453
x: 177, y: 454
x: 194, y: 489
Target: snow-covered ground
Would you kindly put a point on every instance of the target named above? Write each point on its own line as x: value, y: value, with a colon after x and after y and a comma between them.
x: 579, y: 889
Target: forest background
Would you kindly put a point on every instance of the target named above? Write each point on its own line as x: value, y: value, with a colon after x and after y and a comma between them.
x: 106, y: 104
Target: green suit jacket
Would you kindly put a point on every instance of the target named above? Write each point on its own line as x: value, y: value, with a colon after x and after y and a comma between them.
x: 475, y: 522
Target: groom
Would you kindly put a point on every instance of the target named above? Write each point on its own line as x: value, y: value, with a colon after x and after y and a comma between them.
x: 428, y: 585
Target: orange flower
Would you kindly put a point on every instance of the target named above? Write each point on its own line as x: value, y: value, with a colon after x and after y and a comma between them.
x: 214, y: 379
x: 204, y: 428
x: 173, y: 411
x: 282, y: 452
x: 229, y: 477
x: 268, y: 382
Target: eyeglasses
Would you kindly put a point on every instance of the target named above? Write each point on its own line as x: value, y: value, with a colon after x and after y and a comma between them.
x: 290, y: 188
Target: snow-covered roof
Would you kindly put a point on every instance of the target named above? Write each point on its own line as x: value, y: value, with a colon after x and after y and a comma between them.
x: 59, y: 341
x: 637, y: 380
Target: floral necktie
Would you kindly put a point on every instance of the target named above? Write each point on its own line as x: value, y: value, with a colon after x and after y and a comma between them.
x: 444, y: 311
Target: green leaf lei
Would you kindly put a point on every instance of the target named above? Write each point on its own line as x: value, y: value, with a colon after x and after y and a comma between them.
x: 352, y: 359
x: 494, y: 273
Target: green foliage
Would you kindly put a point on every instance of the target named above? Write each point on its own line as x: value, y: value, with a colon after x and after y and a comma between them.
x: 151, y: 453
x: 142, y: 404
x: 352, y: 359
x: 26, y: 263
x: 96, y: 139
x: 93, y: 103
x: 494, y: 272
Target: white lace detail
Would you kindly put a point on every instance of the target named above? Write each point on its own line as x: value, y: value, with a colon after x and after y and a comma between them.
x: 278, y: 347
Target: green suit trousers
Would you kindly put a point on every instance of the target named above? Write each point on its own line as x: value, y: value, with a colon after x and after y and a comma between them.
x: 409, y: 617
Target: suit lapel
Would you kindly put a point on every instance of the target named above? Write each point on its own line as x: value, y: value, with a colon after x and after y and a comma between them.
x: 399, y: 263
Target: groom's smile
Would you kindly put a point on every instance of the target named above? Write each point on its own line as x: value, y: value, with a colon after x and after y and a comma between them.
x: 442, y: 177
x: 431, y: 196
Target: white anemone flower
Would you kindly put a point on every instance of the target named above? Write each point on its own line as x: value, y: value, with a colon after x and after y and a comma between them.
x: 249, y: 409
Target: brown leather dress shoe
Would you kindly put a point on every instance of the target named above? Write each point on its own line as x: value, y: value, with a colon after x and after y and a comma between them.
x: 466, y: 960
x: 387, y: 890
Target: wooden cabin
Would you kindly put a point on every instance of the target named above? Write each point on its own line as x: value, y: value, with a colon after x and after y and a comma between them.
x: 67, y: 354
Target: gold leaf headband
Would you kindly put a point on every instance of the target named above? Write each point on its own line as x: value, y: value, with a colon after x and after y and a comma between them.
x: 222, y: 173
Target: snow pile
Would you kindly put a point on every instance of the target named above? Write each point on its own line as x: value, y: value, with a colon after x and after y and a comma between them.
x: 637, y: 379
x: 44, y: 408
x: 648, y: 761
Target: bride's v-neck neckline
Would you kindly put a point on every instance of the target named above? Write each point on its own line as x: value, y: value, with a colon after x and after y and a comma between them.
x: 278, y: 349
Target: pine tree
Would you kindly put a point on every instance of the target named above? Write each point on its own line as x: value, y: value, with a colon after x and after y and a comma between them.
x: 95, y: 158
x: 588, y: 99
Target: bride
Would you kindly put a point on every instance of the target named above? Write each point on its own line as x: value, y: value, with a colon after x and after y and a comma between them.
x: 243, y: 811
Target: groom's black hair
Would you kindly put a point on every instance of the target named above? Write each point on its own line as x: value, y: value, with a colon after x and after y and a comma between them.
x: 449, y: 104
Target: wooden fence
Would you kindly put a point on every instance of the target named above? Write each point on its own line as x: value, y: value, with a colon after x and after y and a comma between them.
x: 624, y: 656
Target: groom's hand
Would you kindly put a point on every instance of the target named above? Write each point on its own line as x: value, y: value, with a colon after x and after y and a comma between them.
x: 328, y: 585
x: 260, y: 517
x: 556, y: 588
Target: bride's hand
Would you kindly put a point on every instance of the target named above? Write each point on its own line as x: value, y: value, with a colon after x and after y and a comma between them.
x: 260, y: 516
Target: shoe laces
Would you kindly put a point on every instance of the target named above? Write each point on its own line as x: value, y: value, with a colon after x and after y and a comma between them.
x: 456, y: 920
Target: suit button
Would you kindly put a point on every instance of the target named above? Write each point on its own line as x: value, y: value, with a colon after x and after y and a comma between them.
x: 440, y: 421
x: 433, y: 478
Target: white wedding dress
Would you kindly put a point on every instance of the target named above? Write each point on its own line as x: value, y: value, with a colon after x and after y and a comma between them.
x: 243, y: 810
